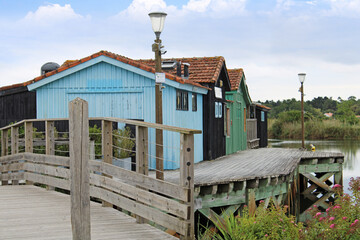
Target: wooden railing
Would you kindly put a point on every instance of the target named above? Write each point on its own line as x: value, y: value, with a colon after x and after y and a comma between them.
x: 167, y: 204
x: 251, y: 129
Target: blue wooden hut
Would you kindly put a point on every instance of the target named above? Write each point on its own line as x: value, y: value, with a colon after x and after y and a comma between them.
x: 116, y: 86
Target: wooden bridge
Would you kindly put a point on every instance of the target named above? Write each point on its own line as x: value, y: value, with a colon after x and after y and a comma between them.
x: 32, y: 212
x: 210, y: 189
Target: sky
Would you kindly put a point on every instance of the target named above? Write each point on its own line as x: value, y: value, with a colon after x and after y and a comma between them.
x: 272, y: 40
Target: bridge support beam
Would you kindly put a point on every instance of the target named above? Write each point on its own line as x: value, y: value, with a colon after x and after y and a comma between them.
x: 79, y: 170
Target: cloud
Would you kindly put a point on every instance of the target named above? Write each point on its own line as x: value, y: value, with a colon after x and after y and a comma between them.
x: 345, y: 8
x: 213, y: 8
x: 138, y: 10
x: 53, y: 13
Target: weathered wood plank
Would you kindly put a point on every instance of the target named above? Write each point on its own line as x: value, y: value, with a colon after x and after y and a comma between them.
x: 106, y: 146
x: 28, y: 136
x: 48, y: 180
x: 46, y: 215
x: 11, y: 167
x: 160, y: 186
x: 50, y: 137
x: 12, y: 176
x: 317, y: 182
x: 187, y: 178
x: 143, y: 196
x: 46, y: 159
x: 142, y: 210
x: 47, y: 170
x: 79, y: 157
x: 15, y: 145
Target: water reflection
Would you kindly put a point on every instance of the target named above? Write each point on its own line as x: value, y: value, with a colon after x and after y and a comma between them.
x: 350, y: 149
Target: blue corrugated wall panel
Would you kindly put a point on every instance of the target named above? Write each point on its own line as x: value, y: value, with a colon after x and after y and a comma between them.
x: 115, y: 92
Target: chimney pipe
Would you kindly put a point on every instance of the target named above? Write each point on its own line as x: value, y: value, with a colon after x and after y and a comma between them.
x: 186, y: 70
x: 178, y: 69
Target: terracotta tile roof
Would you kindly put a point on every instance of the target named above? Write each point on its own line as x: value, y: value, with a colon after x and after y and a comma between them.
x: 201, y: 69
x: 235, y: 76
x: 72, y: 63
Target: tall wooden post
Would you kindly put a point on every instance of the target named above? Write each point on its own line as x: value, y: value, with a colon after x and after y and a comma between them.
x: 4, y: 149
x: 50, y: 142
x: 107, y: 150
x: 79, y: 170
x: 158, y: 113
x: 28, y: 127
x: 142, y: 163
x: 187, y: 177
x: 15, y: 145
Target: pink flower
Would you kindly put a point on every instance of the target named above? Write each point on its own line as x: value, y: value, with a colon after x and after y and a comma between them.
x: 327, y: 210
x: 337, y: 186
x: 286, y: 206
x: 266, y: 235
x: 254, y: 222
x: 332, y: 225
x: 283, y: 230
x: 337, y: 206
x: 321, y: 218
x: 331, y: 218
x: 353, y: 224
x: 344, y: 218
x: 318, y: 214
x: 356, y: 221
x: 315, y: 206
x: 261, y: 201
x: 281, y: 219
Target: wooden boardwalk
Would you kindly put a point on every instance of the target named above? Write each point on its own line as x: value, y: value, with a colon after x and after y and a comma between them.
x: 29, y: 212
x: 249, y: 164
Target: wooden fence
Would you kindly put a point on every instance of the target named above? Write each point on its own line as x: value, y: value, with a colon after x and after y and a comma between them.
x: 167, y: 204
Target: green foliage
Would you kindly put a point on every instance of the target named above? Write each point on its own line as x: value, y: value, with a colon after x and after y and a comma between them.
x: 314, y: 129
x: 345, y: 113
x: 123, y: 143
x: 266, y: 223
x: 339, y: 221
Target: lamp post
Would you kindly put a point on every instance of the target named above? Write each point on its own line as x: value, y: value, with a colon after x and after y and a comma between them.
x: 302, y: 79
x: 157, y: 22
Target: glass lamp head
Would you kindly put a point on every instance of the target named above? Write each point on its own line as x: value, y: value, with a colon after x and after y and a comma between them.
x: 302, y: 77
x: 157, y: 22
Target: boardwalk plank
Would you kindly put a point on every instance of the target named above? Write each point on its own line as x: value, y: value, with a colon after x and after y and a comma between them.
x: 29, y: 212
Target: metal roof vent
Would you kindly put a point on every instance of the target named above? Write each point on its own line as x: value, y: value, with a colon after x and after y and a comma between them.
x: 168, y: 64
x: 48, y: 67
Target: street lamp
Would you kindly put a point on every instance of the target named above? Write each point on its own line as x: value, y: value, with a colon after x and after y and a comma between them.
x: 157, y: 22
x: 302, y: 80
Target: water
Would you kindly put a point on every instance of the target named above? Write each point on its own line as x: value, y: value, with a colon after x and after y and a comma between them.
x: 350, y: 149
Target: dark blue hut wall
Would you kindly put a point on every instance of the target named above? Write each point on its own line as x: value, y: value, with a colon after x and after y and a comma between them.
x: 16, y: 104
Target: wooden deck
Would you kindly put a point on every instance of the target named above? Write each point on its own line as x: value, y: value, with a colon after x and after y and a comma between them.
x: 29, y: 212
x: 249, y: 164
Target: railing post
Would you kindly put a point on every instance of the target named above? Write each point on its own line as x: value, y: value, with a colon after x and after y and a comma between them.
x: 106, y: 145
x: 15, y: 145
x: 28, y: 127
x: 79, y: 170
x: 187, y: 177
x: 4, y: 148
x: 49, y: 142
x: 142, y: 163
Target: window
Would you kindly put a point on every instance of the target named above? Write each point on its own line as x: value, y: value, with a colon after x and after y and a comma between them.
x: 182, y: 100
x: 194, y: 102
x: 218, y: 110
x: 262, y: 116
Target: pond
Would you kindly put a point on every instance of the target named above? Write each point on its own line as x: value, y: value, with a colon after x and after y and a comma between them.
x: 350, y: 149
